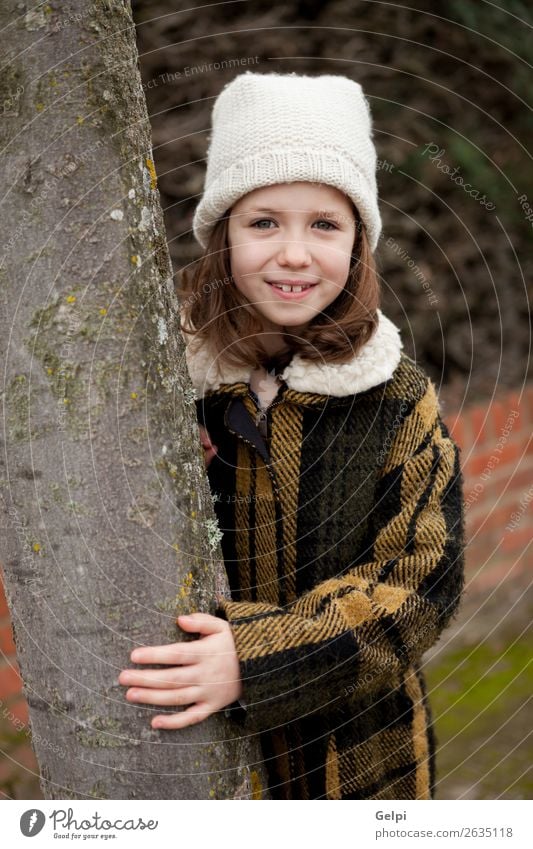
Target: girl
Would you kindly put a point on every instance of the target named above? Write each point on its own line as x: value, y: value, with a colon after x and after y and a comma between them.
x: 336, y: 484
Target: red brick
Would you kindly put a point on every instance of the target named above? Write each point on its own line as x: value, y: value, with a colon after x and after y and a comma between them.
x: 486, y: 579
x: 481, y: 556
x: 480, y: 583
x: 25, y: 758
x: 10, y: 681
x: 502, y: 415
x: 520, y: 518
x: 4, y: 610
x: 514, y: 399
x: 471, y: 464
x: 472, y: 495
x: 480, y: 421
x: 513, y: 524
x: 520, y: 509
x: 518, y: 541
x: 522, y: 479
x: 7, y: 646
x: 514, y: 453
x: 479, y: 553
x: 508, y: 457
x: 456, y: 426
x: 477, y: 463
x: 519, y: 573
x: 528, y: 404
x: 7, y: 773
x: 490, y: 522
x: 18, y: 706
x: 16, y: 770
x: 504, y: 569
x: 517, y: 449
x: 467, y: 429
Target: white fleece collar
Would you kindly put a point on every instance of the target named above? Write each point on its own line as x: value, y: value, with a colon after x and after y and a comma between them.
x: 373, y: 364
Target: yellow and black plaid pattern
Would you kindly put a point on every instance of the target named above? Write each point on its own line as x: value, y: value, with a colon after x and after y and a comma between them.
x: 342, y: 658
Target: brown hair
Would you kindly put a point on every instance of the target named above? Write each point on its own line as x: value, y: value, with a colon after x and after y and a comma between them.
x: 216, y: 312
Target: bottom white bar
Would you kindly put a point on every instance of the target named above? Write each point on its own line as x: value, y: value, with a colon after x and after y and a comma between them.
x: 314, y: 825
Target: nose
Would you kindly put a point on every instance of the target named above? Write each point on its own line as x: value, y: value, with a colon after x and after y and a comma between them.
x: 294, y: 253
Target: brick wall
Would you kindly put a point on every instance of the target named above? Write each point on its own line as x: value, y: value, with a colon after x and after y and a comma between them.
x: 497, y: 460
x: 18, y: 767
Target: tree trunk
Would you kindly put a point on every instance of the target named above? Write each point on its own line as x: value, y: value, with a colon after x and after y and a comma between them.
x: 108, y: 530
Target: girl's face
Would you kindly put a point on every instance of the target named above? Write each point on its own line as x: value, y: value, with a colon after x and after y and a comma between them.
x: 291, y: 234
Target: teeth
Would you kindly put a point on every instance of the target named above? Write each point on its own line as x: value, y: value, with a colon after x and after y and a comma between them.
x: 285, y: 288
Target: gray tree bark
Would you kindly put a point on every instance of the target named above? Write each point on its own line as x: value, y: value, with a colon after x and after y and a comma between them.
x: 108, y: 530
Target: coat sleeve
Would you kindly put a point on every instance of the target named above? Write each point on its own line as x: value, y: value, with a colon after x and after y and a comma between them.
x: 354, y: 632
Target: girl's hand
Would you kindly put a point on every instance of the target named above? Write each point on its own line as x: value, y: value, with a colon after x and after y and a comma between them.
x: 209, y: 449
x: 204, y: 673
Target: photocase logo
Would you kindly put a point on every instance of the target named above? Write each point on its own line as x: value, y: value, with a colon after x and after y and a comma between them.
x: 31, y: 822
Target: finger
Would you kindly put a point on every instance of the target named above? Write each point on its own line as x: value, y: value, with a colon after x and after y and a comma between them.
x: 208, y: 455
x: 162, y: 679
x: 205, y: 439
x: 172, y: 653
x: 194, y: 714
x: 202, y: 623
x: 185, y: 696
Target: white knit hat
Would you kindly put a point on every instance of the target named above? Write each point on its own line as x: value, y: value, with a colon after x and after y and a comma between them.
x: 281, y: 128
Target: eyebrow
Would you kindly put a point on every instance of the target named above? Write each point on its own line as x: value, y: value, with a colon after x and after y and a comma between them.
x: 330, y: 212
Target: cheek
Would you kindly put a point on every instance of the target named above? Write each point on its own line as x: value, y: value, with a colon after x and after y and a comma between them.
x: 338, y: 266
x: 344, y: 257
x: 246, y: 258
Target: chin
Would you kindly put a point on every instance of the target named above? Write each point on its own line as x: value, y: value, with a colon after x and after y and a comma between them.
x: 288, y: 316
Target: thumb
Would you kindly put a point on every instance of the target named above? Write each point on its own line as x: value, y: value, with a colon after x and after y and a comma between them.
x: 200, y: 623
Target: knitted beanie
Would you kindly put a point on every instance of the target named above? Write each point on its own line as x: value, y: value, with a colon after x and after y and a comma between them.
x: 281, y: 128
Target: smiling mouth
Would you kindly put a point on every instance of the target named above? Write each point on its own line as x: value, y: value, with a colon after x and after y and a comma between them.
x: 288, y: 288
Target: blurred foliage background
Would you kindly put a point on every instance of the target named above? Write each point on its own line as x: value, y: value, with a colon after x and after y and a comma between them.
x: 451, y: 78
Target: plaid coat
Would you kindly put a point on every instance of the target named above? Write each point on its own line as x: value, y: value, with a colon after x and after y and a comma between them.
x: 343, y: 543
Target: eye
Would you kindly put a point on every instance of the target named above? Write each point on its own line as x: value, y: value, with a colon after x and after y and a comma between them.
x: 325, y: 221
x: 329, y: 224
x: 262, y: 221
